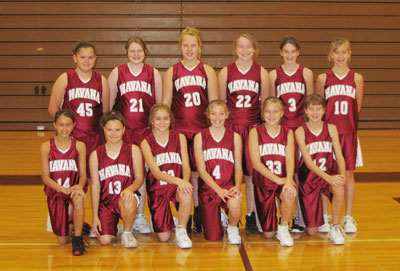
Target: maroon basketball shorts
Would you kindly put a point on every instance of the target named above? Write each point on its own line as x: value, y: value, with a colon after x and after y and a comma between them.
x: 243, y: 131
x: 161, y: 215
x: 136, y: 136
x: 311, y: 201
x: 210, y: 204
x: 348, y: 142
x: 59, y: 216
x: 266, y: 206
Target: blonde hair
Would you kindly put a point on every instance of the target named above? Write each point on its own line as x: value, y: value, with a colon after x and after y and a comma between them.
x: 192, y: 32
x: 158, y: 107
x: 250, y: 37
x: 270, y: 100
x: 214, y: 103
x: 335, y: 44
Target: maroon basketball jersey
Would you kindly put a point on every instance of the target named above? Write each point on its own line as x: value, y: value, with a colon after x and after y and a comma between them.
x: 291, y: 90
x: 168, y: 159
x: 341, y: 102
x: 63, y: 167
x: 219, y: 159
x: 321, y: 151
x: 272, y: 154
x: 136, y: 95
x: 115, y: 173
x: 84, y: 100
x: 243, y: 94
x: 190, y: 98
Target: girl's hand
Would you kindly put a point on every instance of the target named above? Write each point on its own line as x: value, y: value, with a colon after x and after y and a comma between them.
x: 337, y: 180
x: 290, y: 189
x: 223, y: 194
x: 96, y: 226
x: 234, y: 192
x: 78, y: 192
x: 185, y: 187
x: 126, y: 195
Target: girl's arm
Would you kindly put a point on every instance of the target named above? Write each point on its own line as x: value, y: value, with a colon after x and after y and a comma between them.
x: 186, y: 172
x: 95, y: 192
x: 112, y: 83
x: 265, y: 85
x: 359, y: 90
x: 105, y: 98
x: 137, y: 164
x: 212, y: 85
x: 256, y: 159
x: 81, y: 147
x: 222, y: 83
x: 167, y: 88
x: 235, y: 191
x: 201, y: 168
x: 320, y: 85
x: 337, y: 149
x: 158, y: 85
x: 309, y: 78
x: 290, y: 187
x: 272, y: 79
x: 57, y: 94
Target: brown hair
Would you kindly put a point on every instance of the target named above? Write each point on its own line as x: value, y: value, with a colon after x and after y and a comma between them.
x: 64, y: 112
x: 161, y: 106
x: 291, y: 40
x: 112, y: 115
x: 83, y: 44
x: 192, y: 32
x: 214, y: 103
x: 270, y: 100
x: 138, y: 40
x: 336, y: 43
x: 314, y: 99
x: 250, y: 37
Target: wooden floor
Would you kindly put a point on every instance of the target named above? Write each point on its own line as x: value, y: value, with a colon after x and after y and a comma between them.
x: 25, y: 244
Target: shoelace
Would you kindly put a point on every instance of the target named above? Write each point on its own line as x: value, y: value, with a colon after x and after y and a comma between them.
x: 339, y: 229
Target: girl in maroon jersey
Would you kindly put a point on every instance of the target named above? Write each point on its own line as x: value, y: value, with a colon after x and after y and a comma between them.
x: 188, y: 86
x: 342, y: 109
x: 166, y: 156
x: 64, y: 183
x: 134, y: 88
x: 116, y: 168
x: 321, y: 156
x: 272, y: 155
x: 90, y: 97
x: 243, y: 84
x: 291, y: 83
x: 220, y: 176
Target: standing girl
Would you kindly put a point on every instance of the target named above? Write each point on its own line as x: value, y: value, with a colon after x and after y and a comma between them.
x: 291, y: 83
x: 188, y: 86
x: 64, y: 176
x: 134, y: 88
x: 343, y: 90
x: 117, y: 173
x: 318, y: 174
x: 272, y: 155
x: 85, y: 92
x: 218, y: 152
x: 165, y: 153
x: 243, y: 84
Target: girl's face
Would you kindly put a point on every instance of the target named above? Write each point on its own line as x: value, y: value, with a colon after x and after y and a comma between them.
x: 161, y: 121
x: 273, y: 113
x: 315, y: 112
x: 190, y: 48
x: 135, y: 53
x: 64, y: 126
x: 85, y: 59
x: 341, y: 55
x: 244, y: 49
x: 289, y: 53
x: 217, y: 116
x: 113, y: 131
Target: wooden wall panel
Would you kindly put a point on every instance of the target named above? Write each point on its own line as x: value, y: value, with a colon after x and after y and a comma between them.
x: 36, y: 39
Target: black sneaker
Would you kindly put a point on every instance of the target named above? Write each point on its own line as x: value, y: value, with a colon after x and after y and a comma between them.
x: 251, y: 224
x: 296, y: 228
x: 86, y: 228
x: 197, y: 227
x: 78, y: 246
x: 189, y: 225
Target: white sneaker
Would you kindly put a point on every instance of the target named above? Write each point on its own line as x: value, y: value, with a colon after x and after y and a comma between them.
x: 224, y: 219
x: 336, y: 234
x: 324, y: 228
x: 233, y: 235
x: 141, y: 224
x: 283, y: 236
x: 349, y: 224
x: 182, y: 239
x: 128, y: 240
x: 91, y: 234
x: 175, y: 222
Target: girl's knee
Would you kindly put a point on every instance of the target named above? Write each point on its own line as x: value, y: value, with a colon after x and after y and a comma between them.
x: 164, y: 236
x: 269, y: 235
x: 106, y: 240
